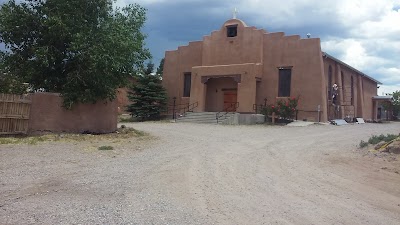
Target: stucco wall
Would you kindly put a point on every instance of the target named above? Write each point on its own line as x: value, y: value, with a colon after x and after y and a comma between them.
x: 246, y: 47
x: 122, y: 100
x: 246, y: 88
x: 370, y: 90
x: 304, y: 57
x: 48, y: 115
x: 336, y: 78
x: 364, y: 89
x: 122, y: 96
x: 176, y: 64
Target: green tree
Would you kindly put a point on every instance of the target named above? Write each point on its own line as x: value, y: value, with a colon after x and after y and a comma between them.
x: 83, y: 49
x: 160, y: 69
x: 9, y: 83
x: 147, y: 95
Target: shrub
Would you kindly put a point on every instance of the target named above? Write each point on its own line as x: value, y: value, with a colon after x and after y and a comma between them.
x: 285, y: 109
x: 268, y: 110
x: 106, y: 147
x: 375, y: 139
x: 390, y: 137
x: 363, y: 144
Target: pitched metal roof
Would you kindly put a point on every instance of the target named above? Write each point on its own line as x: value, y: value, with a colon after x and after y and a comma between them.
x: 387, y: 97
x: 350, y: 67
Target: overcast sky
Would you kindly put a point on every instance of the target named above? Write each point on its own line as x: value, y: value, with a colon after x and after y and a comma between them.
x: 362, y: 33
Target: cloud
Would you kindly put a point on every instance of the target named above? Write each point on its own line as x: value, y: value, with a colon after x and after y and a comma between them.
x: 291, y: 13
x: 362, y: 33
x: 387, y: 89
x: 390, y: 74
x: 354, y: 52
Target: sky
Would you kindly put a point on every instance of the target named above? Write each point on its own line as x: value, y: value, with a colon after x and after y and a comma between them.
x: 363, y: 33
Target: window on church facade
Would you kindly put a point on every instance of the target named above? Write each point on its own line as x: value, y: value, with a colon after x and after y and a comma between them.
x: 342, y: 78
x: 330, y: 83
x: 187, y: 82
x: 352, y: 90
x: 231, y: 31
x: 285, y: 78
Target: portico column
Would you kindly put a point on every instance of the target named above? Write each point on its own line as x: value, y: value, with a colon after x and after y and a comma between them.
x: 374, y: 110
x: 198, y: 93
x: 247, y: 92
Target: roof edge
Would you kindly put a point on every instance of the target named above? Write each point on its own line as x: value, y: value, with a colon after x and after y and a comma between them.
x: 387, y: 98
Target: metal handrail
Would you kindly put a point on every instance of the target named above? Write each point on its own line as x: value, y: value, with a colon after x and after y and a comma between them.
x: 194, y: 105
x: 258, y: 108
x: 232, y: 106
x: 190, y: 107
x: 181, y: 107
x: 177, y: 106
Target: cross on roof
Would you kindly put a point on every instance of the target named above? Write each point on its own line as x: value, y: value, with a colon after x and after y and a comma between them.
x: 235, y: 12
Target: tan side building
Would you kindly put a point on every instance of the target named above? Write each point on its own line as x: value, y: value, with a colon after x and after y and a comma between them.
x: 240, y: 67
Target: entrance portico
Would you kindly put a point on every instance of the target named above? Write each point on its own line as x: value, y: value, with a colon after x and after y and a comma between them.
x: 211, y: 94
x: 382, y: 107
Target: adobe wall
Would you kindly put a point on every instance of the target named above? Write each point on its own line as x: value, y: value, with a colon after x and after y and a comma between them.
x: 122, y: 100
x: 48, y: 115
x: 347, y: 75
x: 370, y: 90
x: 337, y: 70
x: 364, y: 88
x: 176, y: 64
x: 246, y: 47
x: 246, y: 88
x: 304, y: 57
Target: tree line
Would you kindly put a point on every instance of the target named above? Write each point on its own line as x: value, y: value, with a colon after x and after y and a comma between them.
x: 82, y: 49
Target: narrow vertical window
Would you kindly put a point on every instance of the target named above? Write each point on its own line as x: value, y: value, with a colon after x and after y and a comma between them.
x: 187, y: 82
x: 342, y: 78
x: 352, y: 90
x: 231, y: 31
x: 285, y: 78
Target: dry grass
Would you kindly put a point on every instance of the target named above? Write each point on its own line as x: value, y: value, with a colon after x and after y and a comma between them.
x: 120, y: 134
x: 106, y: 148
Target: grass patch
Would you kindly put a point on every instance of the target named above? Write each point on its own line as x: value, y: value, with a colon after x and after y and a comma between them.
x: 139, y: 132
x: 127, y: 119
x: 375, y: 139
x: 390, y: 137
x: 106, y: 148
x: 33, y: 140
x: 121, y: 133
x: 363, y: 144
x: 124, y: 131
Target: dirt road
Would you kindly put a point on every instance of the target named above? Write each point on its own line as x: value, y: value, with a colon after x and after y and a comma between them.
x: 206, y: 174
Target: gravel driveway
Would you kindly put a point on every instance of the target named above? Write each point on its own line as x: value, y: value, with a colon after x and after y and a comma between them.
x: 205, y: 174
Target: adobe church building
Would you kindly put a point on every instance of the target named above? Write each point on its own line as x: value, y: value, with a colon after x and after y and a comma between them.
x: 239, y: 67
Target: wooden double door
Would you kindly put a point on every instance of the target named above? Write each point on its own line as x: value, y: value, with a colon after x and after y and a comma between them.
x: 230, y: 99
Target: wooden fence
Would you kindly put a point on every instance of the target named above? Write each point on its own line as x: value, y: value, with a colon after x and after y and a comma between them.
x: 14, y: 113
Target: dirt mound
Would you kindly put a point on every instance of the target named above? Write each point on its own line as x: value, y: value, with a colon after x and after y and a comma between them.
x: 391, y: 147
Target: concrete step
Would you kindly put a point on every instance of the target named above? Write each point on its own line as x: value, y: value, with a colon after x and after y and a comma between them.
x: 202, y: 117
